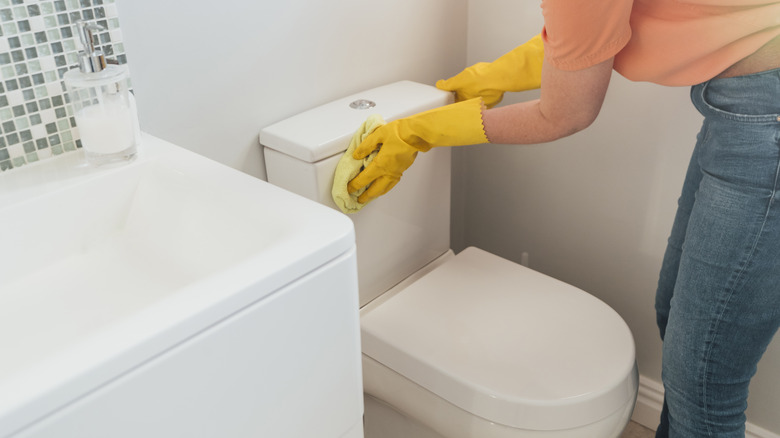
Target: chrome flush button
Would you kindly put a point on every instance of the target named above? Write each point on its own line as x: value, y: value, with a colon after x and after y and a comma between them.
x: 362, y: 104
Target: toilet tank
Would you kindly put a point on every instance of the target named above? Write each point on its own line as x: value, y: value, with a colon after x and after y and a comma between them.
x: 396, y: 234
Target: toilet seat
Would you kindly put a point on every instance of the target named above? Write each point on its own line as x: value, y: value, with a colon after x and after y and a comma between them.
x: 506, y: 343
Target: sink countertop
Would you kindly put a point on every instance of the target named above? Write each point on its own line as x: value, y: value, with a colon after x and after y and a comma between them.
x: 71, y: 322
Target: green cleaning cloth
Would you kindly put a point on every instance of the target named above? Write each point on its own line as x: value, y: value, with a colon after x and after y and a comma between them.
x: 348, y: 167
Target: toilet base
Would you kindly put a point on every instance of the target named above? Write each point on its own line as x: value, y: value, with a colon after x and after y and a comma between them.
x: 382, y: 421
x: 396, y: 407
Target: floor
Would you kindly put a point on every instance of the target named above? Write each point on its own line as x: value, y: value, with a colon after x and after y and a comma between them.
x: 635, y: 430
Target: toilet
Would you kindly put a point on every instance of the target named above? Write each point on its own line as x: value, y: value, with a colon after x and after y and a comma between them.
x: 466, y: 345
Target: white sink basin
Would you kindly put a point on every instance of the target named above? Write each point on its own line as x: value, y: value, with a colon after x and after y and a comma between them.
x: 101, y: 269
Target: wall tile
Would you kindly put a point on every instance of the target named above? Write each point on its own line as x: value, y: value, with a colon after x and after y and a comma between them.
x: 37, y: 45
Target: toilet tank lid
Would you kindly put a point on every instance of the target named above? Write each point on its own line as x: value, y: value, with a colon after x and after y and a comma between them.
x: 506, y: 343
x: 326, y: 130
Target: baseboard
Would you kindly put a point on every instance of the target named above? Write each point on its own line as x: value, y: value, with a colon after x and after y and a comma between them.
x: 649, y: 403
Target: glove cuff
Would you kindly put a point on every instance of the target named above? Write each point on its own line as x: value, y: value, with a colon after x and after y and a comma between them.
x: 520, y: 69
x: 456, y: 124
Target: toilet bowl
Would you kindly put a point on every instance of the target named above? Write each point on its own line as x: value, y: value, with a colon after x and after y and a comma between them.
x: 466, y: 345
x: 482, y: 347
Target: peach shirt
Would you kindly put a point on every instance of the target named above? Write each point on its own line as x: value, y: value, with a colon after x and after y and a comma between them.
x: 669, y: 42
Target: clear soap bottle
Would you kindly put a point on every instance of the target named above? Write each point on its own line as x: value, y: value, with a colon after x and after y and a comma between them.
x: 102, y: 104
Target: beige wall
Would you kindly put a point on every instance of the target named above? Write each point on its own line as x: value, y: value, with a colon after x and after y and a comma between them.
x: 594, y: 209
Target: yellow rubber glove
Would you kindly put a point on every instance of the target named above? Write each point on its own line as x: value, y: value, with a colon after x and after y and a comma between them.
x: 399, y: 141
x: 518, y: 70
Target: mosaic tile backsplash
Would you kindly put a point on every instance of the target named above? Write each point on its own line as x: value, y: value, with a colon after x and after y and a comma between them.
x: 38, y: 44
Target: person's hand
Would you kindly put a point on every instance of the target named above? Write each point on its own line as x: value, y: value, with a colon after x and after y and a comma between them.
x: 518, y: 70
x: 399, y: 142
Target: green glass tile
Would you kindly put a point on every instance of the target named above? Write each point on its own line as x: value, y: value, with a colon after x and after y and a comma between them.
x: 10, y: 29
x: 69, y: 146
x: 35, y: 67
x: 20, y: 12
x: 18, y: 161
x: 28, y: 39
x: 32, y: 157
x: 50, y: 21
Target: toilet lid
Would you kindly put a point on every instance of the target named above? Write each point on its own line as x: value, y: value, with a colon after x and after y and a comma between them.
x: 507, y: 343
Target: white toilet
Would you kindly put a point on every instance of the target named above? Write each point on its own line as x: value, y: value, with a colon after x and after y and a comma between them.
x: 456, y: 346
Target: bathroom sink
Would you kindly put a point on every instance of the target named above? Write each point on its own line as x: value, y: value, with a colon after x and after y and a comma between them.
x: 103, y: 269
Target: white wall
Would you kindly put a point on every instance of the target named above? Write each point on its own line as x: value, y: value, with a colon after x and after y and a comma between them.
x: 594, y: 209
x: 208, y: 75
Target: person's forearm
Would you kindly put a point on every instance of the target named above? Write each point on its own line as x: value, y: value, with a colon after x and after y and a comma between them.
x: 569, y: 102
x: 525, y: 123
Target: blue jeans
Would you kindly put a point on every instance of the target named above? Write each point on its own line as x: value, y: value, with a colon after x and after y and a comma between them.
x: 718, y: 298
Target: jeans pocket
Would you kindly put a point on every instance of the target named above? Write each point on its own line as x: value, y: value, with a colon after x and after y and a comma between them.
x: 747, y: 99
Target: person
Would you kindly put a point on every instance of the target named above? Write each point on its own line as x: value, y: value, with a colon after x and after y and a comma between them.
x: 718, y: 296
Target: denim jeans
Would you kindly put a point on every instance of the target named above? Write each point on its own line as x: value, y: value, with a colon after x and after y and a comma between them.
x: 718, y: 298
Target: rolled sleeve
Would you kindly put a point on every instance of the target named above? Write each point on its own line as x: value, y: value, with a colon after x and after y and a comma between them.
x: 582, y: 33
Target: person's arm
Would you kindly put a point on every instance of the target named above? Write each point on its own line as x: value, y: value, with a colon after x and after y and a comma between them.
x: 569, y: 102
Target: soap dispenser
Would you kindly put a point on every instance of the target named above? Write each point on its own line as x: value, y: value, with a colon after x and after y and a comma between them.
x: 101, y: 102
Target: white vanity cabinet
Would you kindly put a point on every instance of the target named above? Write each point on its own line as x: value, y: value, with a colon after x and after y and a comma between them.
x: 204, y: 303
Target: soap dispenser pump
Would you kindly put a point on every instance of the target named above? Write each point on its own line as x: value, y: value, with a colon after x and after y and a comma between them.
x: 101, y: 102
